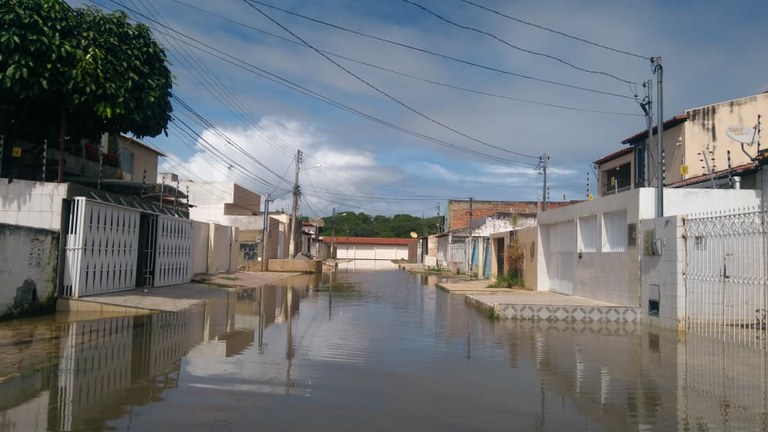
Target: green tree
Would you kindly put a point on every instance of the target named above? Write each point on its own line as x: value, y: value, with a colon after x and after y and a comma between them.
x: 80, y: 72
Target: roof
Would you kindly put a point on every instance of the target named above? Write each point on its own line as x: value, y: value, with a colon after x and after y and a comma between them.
x: 614, y: 155
x: 141, y: 144
x: 735, y: 171
x: 370, y: 240
x: 641, y: 136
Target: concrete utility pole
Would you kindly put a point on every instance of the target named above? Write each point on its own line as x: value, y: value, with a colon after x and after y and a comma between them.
x: 265, y: 233
x: 333, y: 233
x: 543, y: 163
x: 296, y: 193
x: 658, y: 70
x: 471, y: 246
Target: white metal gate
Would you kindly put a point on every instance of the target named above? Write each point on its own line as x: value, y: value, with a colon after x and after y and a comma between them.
x: 173, y: 260
x: 102, y: 251
x: 725, y: 276
x: 560, y: 256
x: 101, y: 248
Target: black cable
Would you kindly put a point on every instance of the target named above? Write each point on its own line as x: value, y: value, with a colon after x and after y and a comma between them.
x: 444, y: 56
x: 557, y: 32
x: 513, y: 46
x: 384, y: 93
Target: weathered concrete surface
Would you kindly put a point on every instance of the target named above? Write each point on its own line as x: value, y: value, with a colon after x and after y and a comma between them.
x: 295, y: 265
x: 168, y: 298
x: 540, y: 305
x: 28, y: 266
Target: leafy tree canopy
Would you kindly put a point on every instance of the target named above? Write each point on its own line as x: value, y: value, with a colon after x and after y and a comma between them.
x: 99, y: 70
x: 363, y: 225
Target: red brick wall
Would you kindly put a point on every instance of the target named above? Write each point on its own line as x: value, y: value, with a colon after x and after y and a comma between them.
x: 458, y: 210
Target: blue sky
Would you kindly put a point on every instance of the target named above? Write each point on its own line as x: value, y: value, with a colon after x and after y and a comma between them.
x: 490, y: 143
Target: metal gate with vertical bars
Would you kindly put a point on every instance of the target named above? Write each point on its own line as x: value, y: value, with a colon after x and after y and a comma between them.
x: 101, y: 248
x: 112, y: 248
x: 725, y: 276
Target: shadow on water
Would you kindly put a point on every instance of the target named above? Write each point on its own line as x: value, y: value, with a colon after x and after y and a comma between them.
x: 367, y: 351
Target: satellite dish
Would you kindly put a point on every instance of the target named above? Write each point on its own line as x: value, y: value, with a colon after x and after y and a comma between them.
x: 743, y: 134
x: 414, y: 234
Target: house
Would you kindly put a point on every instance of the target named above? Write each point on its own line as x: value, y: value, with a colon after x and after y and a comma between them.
x: 459, y: 212
x: 228, y: 203
x: 697, y: 144
x: 370, y: 253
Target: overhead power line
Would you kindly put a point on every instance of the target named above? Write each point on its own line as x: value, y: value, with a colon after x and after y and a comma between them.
x: 277, y: 79
x: 386, y: 94
x: 444, y: 56
x: 557, y: 32
x: 400, y: 73
x: 513, y: 46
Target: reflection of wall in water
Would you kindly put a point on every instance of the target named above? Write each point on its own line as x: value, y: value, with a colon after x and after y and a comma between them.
x: 108, y: 361
x: 363, y: 264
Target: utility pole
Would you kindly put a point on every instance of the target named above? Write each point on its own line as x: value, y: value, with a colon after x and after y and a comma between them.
x: 543, y: 159
x: 296, y: 193
x: 658, y: 70
x: 333, y: 234
x: 471, y: 245
x: 265, y: 233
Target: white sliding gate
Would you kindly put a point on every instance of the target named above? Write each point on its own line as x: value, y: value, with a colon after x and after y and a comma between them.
x: 104, y: 250
x: 101, y: 248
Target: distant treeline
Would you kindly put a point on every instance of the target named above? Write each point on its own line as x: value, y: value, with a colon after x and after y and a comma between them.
x: 362, y: 225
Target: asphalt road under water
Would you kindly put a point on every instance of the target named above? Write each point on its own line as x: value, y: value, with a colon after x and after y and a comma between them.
x: 367, y: 351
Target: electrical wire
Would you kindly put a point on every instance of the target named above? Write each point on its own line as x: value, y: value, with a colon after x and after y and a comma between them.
x: 513, y: 46
x: 444, y: 56
x: 400, y: 73
x: 557, y: 32
x: 386, y: 94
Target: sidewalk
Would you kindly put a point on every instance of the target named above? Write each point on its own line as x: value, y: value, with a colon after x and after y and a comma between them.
x: 540, y: 305
x: 171, y: 298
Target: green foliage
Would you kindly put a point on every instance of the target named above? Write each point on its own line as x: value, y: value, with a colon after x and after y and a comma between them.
x: 514, y: 259
x: 362, y: 225
x: 106, y: 74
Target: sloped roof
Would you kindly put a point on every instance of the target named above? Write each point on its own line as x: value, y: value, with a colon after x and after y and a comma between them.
x: 641, y: 136
x: 614, y: 155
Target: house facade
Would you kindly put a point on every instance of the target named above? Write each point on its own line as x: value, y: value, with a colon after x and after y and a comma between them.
x: 697, y: 143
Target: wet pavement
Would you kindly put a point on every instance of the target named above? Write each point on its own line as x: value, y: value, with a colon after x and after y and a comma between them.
x: 367, y: 351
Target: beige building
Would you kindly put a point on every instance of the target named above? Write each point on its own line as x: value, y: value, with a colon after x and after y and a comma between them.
x: 696, y: 144
x: 134, y: 158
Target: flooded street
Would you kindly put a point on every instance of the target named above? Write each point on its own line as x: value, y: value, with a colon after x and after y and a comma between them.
x: 367, y: 351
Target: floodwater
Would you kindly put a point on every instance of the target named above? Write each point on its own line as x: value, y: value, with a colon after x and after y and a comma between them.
x: 367, y: 351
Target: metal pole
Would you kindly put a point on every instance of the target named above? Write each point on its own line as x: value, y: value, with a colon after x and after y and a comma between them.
x: 265, y: 233
x: 333, y: 233
x: 659, y: 71
x: 544, y: 159
x: 296, y: 192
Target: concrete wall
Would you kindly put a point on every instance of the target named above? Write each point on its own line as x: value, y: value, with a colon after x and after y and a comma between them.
x: 28, y: 266
x: 528, y: 238
x: 32, y: 204
x: 200, y: 234
x: 662, y: 275
x: 144, y: 158
x: 219, y: 242
x: 615, y: 276
x: 705, y: 131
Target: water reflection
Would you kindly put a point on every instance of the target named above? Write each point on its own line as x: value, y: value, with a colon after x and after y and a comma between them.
x: 371, y: 351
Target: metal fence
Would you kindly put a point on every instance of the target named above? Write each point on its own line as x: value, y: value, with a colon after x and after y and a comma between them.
x: 725, y: 275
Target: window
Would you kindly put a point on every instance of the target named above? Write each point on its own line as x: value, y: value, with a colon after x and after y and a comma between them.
x: 615, y: 232
x: 588, y: 234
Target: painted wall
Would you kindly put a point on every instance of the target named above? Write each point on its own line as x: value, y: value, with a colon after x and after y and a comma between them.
x: 219, y: 242
x: 28, y: 265
x: 144, y: 158
x: 32, y: 204
x: 705, y: 132
x: 662, y: 275
x: 528, y: 238
x: 200, y: 233
x: 615, y: 276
